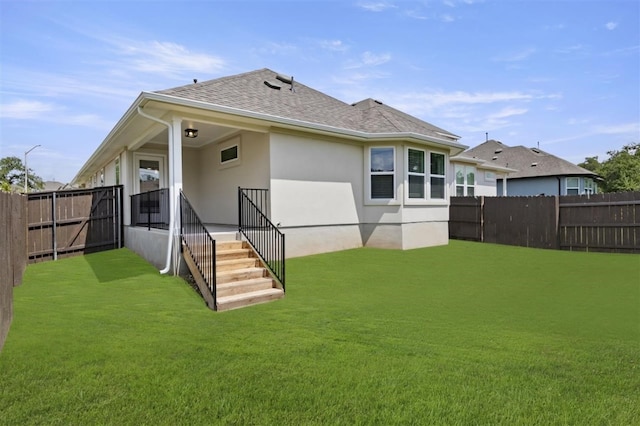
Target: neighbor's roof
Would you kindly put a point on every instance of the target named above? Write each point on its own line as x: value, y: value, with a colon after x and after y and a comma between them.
x: 262, y: 92
x: 530, y: 162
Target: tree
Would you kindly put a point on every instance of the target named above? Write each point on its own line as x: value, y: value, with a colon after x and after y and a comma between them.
x: 621, y: 171
x: 12, y: 175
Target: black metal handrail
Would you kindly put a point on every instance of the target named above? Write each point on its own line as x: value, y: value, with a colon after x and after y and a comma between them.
x: 264, y: 236
x: 151, y: 209
x: 200, y: 245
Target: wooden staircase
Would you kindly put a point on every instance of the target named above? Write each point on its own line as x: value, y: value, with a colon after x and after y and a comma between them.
x: 241, y: 278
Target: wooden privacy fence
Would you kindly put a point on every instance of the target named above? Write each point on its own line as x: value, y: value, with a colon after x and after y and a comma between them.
x: 13, y: 254
x: 67, y: 223
x: 601, y: 222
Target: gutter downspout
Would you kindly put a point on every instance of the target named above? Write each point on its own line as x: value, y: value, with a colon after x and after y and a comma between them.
x: 172, y: 202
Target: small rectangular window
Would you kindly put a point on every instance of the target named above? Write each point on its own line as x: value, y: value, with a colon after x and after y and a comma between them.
x: 229, y: 154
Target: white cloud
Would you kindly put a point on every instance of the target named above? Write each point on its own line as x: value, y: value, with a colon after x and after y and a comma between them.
x: 618, y: 129
x: 447, y: 18
x: 168, y: 58
x: 25, y: 109
x: 508, y: 112
x: 611, y: 25
x: 369, y: 59
x: 333, y: 45
x: 379, y: 6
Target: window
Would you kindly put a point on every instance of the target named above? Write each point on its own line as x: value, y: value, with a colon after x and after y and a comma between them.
x: 416, y: 173
x: 382, y: 173
x: 465, y: 180
x: 229, y: 154
x: 589, y: 186
x: 437, y: 176
x: 573, y: 186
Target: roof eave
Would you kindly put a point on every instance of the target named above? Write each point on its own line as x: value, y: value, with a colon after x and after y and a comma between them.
x: 316, y: 127
x: 96, y: 156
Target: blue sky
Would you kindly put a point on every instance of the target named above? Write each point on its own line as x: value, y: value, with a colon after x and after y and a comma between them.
x: 564, y: 74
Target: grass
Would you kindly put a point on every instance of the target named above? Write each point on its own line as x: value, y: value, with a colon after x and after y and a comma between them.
x: 464, y: 334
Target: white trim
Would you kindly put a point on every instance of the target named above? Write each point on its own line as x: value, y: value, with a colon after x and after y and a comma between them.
x: 369, y: 174
x: 162, y: 174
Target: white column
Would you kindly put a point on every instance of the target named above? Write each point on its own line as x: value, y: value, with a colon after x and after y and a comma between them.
x: 504, y: 185
x: 175, y: 184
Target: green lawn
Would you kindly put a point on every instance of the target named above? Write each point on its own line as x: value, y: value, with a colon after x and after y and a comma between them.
x: 464, y: 334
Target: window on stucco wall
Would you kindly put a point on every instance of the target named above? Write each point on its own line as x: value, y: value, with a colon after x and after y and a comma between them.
x: 437, y: 176
x: 465, y: 180
x: 382, y: 173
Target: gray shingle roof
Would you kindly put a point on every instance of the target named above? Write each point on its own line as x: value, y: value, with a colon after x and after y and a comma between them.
x: 249, y: 92
x: 530, y: 162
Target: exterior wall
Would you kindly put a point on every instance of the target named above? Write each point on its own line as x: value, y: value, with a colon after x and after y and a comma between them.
x: 530, y: 187
x: 212, y: 187
x: 149, y: 244
x: 110, y: 173
x: 315, y: 182
x: 305, y: 241
x: 487, y: 184
x: 318, y: 193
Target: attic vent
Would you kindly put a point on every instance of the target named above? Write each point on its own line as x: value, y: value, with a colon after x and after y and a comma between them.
x: 271, y: 85
x: 494, y: 158
x: 534, y: 164
x: 536, y: 150
x: 498, y: 151
x: 377, y: 101
x: 284, y: 78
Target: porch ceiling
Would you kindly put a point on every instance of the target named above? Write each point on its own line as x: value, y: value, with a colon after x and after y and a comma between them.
x: 207, y: 133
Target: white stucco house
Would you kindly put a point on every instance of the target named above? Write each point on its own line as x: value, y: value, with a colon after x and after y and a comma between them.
x: 338, y: 175
x: 472, y: 176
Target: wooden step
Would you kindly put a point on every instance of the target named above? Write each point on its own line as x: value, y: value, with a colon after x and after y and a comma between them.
x: 229, y: 245
x: 233, y: 254
x: 239, y: 274
x: 233, y: 264
x: 244, y: 286
x: 245, y: 299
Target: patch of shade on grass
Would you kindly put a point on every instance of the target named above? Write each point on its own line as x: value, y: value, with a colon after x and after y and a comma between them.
x: 467, y: 333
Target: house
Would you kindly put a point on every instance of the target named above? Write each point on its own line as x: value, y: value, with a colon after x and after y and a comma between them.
x: 331, y: 175
x: 536, y: 172
x: 472, y: 176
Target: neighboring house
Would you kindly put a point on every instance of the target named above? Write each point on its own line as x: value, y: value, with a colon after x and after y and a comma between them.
x: 339, y: 175
x: 537, y: 172
x: 476, y: 177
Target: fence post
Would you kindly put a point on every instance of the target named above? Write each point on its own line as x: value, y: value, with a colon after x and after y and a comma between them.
x: 54, y: 225
x: 557, y: 220
x: 482, y: 218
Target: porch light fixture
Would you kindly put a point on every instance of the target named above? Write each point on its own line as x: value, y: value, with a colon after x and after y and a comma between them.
x: 191, y: 133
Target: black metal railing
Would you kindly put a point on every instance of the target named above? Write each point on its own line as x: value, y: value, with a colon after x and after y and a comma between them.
x: 200, y: 246
x: 264, y: 236
x: 151, y: 209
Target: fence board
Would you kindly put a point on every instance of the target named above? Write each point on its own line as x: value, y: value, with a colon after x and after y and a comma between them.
x: 601, y: 222
x: 67, y: 223
x: 465, y: 218
x: 13, y: 254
